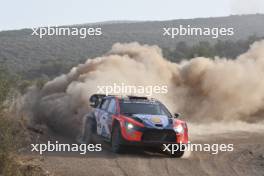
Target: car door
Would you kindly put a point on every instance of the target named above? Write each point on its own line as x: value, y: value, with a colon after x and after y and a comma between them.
x: 111, y: 111
x: 101, y: 118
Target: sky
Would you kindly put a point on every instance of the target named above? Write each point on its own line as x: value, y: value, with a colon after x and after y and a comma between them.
x: 17, y: 14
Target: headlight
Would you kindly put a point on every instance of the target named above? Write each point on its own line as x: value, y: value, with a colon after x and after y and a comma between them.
x: 129, y: 126
x: 179, y: 129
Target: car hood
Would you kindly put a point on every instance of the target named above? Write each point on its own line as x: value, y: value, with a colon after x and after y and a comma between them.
x: 154, y: 121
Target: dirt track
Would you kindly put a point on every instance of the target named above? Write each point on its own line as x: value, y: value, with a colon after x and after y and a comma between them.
x: 246, y: 159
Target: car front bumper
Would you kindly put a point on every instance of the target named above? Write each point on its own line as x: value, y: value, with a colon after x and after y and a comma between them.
x: 149, y: 136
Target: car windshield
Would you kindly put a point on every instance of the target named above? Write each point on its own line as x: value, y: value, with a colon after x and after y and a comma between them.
x: 130, y: 108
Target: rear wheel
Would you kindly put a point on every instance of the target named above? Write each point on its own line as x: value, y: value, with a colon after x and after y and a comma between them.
x: 116, y: 140
x: 88, y: 133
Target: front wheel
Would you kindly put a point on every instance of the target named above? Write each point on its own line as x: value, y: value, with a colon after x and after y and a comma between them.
x: 176, y: 154
x: 116, y: 140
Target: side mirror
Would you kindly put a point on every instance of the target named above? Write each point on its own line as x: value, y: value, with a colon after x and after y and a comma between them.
x: 176, y: 115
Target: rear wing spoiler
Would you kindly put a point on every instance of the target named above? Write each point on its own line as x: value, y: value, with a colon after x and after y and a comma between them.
x: 137, y: 98
x: 96, y: 99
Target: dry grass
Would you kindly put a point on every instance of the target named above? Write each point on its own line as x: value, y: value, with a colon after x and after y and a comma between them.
x: 12, y: 137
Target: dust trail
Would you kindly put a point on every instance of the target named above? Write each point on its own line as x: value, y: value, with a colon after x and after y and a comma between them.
x: 199, y: 131
x: 202, y: 89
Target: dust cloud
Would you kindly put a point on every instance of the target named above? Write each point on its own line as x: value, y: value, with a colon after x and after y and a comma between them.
x: 201, y: 89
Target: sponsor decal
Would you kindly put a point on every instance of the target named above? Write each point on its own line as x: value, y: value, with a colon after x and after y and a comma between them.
x: 155, y: 119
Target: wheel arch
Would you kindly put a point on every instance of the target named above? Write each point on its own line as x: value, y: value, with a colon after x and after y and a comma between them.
x: 115, y: 123
x: 89, y: 117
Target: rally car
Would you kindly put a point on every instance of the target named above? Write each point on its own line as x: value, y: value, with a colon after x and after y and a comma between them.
x: 131, y: 120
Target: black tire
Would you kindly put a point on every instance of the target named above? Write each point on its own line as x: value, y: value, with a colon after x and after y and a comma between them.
x: 178, y: 154
x: 116, y: 140
x: 88, y: 133
x: 175, y: 154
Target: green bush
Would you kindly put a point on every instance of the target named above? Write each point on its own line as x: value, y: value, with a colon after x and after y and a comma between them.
x: 8, y: 145
x: 8, y: 129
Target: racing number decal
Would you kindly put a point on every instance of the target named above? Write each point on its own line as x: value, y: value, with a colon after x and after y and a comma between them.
x: 104, y: 118
x: 102, y: 124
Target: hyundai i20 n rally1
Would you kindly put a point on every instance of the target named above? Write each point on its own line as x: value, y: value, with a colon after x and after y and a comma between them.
x: 128, y: 121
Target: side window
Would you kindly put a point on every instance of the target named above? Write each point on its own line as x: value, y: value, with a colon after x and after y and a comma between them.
x: 104, y: 104
x: 112, y: 106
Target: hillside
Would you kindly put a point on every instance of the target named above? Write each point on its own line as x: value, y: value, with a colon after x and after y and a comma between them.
x: 34, y: 57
